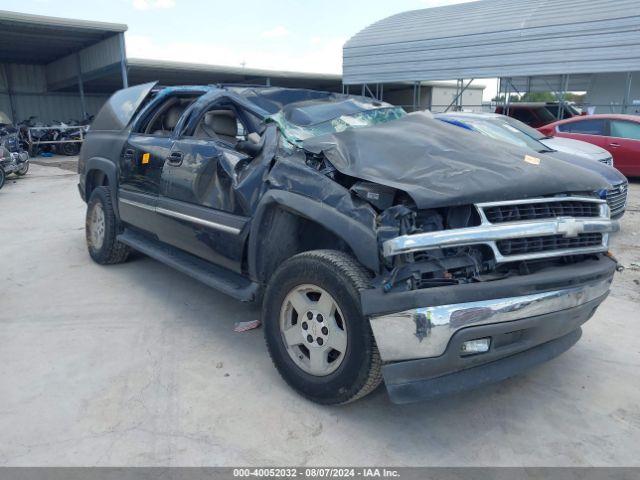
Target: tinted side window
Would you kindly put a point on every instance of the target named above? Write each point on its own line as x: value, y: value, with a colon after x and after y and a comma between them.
x: 545, y: 115
x: 622, y: 129
x: 586, y: 127
x: 523, y: 115
x: 164, y: 117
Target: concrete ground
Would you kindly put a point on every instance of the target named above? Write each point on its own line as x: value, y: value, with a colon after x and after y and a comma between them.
x: 137, y: 364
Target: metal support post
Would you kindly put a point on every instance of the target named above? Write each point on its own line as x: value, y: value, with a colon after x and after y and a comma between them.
x: 83, y: 106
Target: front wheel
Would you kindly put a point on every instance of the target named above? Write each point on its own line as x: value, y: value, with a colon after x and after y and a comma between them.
x: 101, y: 228
x: 316, y: 334
x: 3, y: 177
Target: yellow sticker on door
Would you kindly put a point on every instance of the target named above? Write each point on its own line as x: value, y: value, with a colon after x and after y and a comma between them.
x: 532, y: 160
x: 146, y: 158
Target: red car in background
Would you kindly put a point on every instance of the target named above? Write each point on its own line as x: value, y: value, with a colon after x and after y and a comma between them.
x: 619, y: 134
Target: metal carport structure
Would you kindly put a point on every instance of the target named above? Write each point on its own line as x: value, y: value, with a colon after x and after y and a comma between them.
x: 557, y: 43
x: 41, y: 58
x: 60, y: 68
x: 182, y: 73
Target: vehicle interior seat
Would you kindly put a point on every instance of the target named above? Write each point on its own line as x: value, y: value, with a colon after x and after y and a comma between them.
x: 218, y: 124
x: 170, y: 120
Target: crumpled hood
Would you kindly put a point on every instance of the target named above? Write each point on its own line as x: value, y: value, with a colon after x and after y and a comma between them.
x: 443, y: 165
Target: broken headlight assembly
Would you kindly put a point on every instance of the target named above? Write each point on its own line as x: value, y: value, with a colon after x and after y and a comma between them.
x: 433, y: 268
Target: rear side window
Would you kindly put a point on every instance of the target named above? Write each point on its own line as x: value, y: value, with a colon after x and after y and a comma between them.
x: 522, y: 114
x: 622, y: 129
x: 585, y: 127
x: 545, y: 115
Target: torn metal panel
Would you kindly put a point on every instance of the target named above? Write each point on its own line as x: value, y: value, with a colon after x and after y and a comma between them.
x: 294, y: 175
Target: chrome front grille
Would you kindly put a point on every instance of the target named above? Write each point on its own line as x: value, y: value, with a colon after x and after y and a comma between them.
x: 537, y: 210
x: 520, y: 246
x: 617, y: 199
x: 523, y: 230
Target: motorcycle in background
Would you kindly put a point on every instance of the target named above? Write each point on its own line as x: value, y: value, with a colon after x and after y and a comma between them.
x: 13, y: 158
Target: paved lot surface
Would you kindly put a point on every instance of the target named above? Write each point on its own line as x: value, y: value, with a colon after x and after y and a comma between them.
x: 137, y: 364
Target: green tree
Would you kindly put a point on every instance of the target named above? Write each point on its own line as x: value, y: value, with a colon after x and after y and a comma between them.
x: 538, y: 97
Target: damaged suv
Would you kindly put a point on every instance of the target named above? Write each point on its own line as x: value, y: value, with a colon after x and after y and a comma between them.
x: 382, y: 245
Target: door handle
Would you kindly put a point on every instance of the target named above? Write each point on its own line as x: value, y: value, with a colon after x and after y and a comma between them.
x: 175, y: 158
x: 615, y: 145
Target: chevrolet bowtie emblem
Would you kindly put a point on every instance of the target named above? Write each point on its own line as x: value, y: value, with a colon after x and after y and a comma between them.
x: 570, y: 227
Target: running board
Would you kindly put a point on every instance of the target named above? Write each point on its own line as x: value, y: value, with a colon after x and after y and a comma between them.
x: 220, y: 278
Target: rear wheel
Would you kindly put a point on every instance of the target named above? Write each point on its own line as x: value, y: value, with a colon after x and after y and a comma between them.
x: 3, y: 177
x: 101, y: 228
x: 316, y: 334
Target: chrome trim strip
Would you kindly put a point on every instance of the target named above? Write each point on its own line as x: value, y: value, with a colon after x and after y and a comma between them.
x: 182, y: 216
x: 137, y: 204
x: 199, y: 221
x: 488, y: 233
x: 539, y: 200
x: 399, y: 338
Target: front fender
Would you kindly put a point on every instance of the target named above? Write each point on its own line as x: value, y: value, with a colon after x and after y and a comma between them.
x: 361, y: 240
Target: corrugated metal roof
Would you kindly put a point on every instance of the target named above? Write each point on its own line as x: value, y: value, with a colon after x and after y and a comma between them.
x: 36, y: 39
x: 497, y: 38
x: 177, y: 67
x: 182, y: 73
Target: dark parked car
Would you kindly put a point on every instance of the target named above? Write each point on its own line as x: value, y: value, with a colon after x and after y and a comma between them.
x: 534, y: 114
x: 619, y: 134
x: 381, y: 244
x: 569, y: 110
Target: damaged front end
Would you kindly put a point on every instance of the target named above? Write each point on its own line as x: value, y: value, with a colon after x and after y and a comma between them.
x: 490, y: 260
x: 489, y: 241
x: 499, y: 285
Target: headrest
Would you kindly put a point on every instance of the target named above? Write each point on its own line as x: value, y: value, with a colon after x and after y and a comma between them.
x: 222, y: 122
x: 172, y: 116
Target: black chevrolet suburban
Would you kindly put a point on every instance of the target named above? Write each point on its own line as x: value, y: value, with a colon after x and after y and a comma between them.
x: 381, y: 244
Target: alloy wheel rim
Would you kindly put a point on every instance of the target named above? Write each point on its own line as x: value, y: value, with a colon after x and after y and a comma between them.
x: 97, y: 226
x: 313, y: 330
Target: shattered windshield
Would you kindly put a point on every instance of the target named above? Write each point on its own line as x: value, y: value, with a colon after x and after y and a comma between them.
x: 298, y: 133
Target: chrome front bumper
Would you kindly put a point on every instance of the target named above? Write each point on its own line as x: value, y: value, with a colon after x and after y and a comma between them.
x: 425, y: 332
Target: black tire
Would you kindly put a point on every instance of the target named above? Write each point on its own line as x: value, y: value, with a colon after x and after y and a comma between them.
x: 3, y: 177
x: 343, y: 278
x: 110, y: 251
x: 70, y: 149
